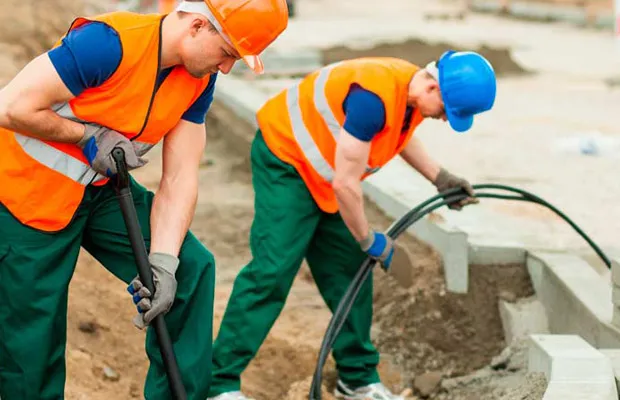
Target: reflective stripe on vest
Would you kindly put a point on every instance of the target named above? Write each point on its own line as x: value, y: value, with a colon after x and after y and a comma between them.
x: 300, y: 131
x: 57, y: 160
x: 62, y: 162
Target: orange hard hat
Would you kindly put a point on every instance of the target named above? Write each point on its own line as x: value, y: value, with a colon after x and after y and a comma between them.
x: 250, y: 25
x: 247, y: 25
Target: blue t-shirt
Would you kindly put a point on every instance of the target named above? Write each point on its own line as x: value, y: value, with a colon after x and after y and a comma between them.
x: 91, y: 53
x: 365, y: 113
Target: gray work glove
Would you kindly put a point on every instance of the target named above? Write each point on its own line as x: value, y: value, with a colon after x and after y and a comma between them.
x: 164, y: 267
x: 445, y: 181
x: 97, y: 145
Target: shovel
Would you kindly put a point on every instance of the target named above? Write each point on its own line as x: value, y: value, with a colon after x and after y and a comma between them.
x: 130, y: 216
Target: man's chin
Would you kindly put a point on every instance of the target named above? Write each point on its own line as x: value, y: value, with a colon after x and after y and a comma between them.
x: 197, y: 75
x: 200, y: 74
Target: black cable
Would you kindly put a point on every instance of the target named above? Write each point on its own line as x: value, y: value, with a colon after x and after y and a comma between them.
x: 396, y: 229
x: 540, y: 201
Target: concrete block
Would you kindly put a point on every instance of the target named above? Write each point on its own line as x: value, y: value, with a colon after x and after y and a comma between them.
x: 588, y: 286
x: 523, y: 318
x: 615, y: 296
x: 576, y: 298
x: 615, y: 319
x: 615, y: 272
x: 452, y: 245
x: 481, y: 252
x: 614, y: 358
x: 535, y: 267
x: 608, y: 335
x: 577, y: 390
x: 573, y: 368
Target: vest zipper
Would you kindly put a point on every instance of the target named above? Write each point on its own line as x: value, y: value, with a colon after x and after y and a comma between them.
x: 154, y: 92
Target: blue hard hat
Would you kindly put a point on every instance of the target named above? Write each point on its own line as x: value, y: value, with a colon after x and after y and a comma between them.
x: 468, y: 87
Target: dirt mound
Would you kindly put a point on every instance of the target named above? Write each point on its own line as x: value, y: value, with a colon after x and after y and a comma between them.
x: 426, y: 328
x: 29, y: 28
x: 429, y: 329
x: 280, y: 369
x: 420, y: 53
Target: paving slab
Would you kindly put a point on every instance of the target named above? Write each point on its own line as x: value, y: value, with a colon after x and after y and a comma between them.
x: 574, y: 369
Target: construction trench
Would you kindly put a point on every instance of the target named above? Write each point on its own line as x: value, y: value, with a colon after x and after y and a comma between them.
x: 434, y: 344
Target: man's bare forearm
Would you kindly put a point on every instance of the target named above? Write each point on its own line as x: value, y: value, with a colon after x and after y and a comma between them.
x: 173, y: 209
x: 351, y: 205
x: 26, y: 102
x: 43, y: 124
x: 415, y: 155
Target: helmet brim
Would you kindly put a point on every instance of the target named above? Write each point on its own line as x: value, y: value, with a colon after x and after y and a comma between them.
x: 254, y: 63
x: 458, y: 122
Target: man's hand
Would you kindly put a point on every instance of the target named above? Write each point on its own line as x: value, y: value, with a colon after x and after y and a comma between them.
x: 164, y: 267
x: 379, y: 246
x: 445, y: 181
x: 97, y: 145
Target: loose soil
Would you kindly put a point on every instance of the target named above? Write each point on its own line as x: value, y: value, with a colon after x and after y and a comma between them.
x: 421, y: 52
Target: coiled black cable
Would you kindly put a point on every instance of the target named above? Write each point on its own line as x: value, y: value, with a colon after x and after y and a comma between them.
x: 396, y: 229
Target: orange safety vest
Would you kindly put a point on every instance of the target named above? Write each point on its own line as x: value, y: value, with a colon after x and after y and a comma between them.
x: 43, y: 182
x: 301, y: 124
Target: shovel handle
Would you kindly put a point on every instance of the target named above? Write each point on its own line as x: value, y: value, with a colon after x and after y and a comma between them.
x: 138, y: 246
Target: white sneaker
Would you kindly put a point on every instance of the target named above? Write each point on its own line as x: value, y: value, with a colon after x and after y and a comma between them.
x: 375, y: 391
x: 230, y: 396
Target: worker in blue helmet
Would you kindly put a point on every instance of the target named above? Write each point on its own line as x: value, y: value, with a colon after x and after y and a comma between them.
x: 317, y: 140
x: 467, y: 84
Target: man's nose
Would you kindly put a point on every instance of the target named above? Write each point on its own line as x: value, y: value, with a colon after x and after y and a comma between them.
x: 226, y: 66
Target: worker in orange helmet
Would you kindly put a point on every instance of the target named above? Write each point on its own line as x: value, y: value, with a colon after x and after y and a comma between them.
x: 123, y: 80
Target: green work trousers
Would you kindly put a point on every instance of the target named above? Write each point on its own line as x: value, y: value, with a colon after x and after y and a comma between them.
x: 35, y: 270
x: 288, y: 226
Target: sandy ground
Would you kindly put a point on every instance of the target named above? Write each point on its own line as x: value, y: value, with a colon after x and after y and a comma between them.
x: 431, y: 341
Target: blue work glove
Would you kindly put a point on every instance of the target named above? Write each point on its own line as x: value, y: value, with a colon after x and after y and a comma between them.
x: 97, y: 145
x: 379, y: 246
x: 164, y: 267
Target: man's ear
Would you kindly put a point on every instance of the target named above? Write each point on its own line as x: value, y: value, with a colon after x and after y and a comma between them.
x: 432, y: 86
x: 196, y: 26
